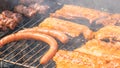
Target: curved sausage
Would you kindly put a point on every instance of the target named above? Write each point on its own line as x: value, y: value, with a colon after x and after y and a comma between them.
x: 54, y: 33
x: 37, y: 36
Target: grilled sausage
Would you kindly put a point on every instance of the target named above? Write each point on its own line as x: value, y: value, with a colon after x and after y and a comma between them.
x: 55, y: 33
x: 37, y: 36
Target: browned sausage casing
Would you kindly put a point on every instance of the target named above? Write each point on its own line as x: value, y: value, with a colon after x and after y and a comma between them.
x: 55, y: 33
x: 37, y: 36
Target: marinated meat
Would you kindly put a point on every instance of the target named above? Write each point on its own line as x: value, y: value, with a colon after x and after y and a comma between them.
x: 28, y: 2
x: 27, y: 11
x: 32, y: 9
x: 9, y: 20
x: 16, y: 16
x: 112, y: 33
x: 101, y: 49
x: 72, y: 12
x: 72, y: 59
x: 8, y: 23
x: 2, y: 22
x: 70, y: 28
x: 41, y: 9
x: 113, y: 19
x: 7, y: 13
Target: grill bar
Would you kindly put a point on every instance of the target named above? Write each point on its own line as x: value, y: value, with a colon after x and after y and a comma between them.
x: 23, y: 26
x: 13, y: 50
x: 23, y: 55
x: 26, y: 53
x: 18, y: 63
x: 72, y: 44
x: 19, y: 52
x: 18, y: 45
x: 46, y: 65
x: 34, y: 55
x: 25, y: 59
x: 8, y: 48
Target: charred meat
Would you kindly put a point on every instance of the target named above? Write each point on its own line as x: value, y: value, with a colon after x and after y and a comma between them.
x: 27, y: 11
x: 16, y: 16
x: 9, y: 20
x: 41, y: 9
x: 31, y: 10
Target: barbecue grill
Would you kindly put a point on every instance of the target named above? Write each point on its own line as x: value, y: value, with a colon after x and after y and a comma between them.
x: 26, y: 53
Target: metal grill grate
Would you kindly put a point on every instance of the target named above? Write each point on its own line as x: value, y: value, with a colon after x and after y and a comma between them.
x: 27, y: 53
x: 17, y: 51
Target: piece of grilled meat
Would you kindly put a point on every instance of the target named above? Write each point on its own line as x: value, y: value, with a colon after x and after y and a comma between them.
x: 112, y: 19
x: 16, y: 16
x: 72, y: 12
x: 110, y: 33
x: 27, y: 11
x: 73, y: 59
x: 9, y: 20
x: 31, y: 10
x: 41, y: 9
x: 101, y: 48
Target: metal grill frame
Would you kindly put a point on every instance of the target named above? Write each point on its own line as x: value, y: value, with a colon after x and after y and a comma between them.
x: 72, y: 44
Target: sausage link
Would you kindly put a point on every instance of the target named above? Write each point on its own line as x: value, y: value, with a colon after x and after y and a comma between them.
x: 37, y: 36
x: 54, y: 33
